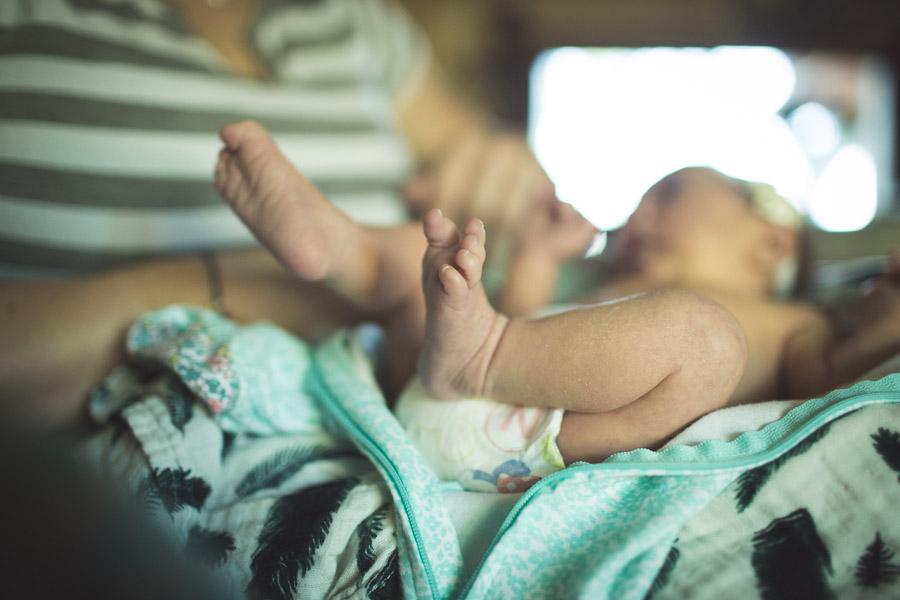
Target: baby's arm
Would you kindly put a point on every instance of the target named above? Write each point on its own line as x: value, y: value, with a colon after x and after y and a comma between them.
x: 817, y: 361
x: 552, y: 234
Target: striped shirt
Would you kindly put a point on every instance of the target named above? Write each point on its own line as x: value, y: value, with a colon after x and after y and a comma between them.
x: 109, y: 111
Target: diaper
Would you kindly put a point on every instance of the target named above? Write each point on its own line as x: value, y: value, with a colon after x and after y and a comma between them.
x: 486, y: 446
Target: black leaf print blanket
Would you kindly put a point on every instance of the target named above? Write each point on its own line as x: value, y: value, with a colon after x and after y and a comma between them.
x: 275, y: 507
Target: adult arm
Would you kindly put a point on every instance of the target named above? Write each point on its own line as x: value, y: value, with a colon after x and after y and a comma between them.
x: 61, y: 338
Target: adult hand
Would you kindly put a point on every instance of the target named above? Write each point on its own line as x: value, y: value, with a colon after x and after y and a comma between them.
x: 489, y: 174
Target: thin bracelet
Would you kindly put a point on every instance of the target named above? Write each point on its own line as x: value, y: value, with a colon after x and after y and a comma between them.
x: 214, y: 279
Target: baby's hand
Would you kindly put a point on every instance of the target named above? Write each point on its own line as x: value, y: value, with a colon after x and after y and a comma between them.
x: 555, y: 229
x: 881, y: 305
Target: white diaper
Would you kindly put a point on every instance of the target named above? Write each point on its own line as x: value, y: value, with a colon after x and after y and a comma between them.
x: 485, y: 445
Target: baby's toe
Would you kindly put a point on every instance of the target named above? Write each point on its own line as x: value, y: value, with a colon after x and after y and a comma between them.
x: 439, y: 230
x: 223, y: 171
x: 236, y: 135
x: 475, y: 227
x: 473, y: 245
x: 470, y: 266
x: 453, y: 281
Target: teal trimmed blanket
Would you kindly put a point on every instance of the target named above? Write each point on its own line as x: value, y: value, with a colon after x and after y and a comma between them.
x: 320, y: 494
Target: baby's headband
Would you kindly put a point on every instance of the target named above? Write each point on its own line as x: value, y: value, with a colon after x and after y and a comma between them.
x: 768, y: 204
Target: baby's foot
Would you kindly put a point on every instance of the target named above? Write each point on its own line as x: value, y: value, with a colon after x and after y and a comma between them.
x: 462, y: 330
x: 285, y: 212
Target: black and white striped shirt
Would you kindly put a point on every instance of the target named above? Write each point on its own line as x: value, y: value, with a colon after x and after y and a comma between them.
x: 109, y: 111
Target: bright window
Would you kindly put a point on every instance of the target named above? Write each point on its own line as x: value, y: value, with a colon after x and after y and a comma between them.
x: 608, y: 122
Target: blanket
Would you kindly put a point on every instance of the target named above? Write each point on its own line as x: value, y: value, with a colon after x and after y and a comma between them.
x: 276, y: 504
x: 817, y: 522
x: 317, y: 492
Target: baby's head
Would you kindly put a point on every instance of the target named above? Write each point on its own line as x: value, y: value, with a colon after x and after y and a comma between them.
x: 698, y: 226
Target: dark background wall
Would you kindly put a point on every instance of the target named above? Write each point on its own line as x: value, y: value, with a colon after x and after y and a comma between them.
x: 488, y: 45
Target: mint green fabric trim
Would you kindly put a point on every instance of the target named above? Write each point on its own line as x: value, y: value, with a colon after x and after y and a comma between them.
x: 757, y: 447
x: 602, y: 531
x: 430, y: 546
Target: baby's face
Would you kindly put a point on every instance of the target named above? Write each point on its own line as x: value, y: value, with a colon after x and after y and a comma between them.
x: 691, y: 222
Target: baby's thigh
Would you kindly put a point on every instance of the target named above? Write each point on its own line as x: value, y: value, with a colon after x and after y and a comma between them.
x: 648, y: 422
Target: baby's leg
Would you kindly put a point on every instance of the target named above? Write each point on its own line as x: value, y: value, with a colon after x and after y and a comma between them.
x: 310, y: 236
x: 637, y: 370
x: 631, y: 373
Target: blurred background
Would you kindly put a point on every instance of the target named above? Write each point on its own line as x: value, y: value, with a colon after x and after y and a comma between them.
x: 614, y: 94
